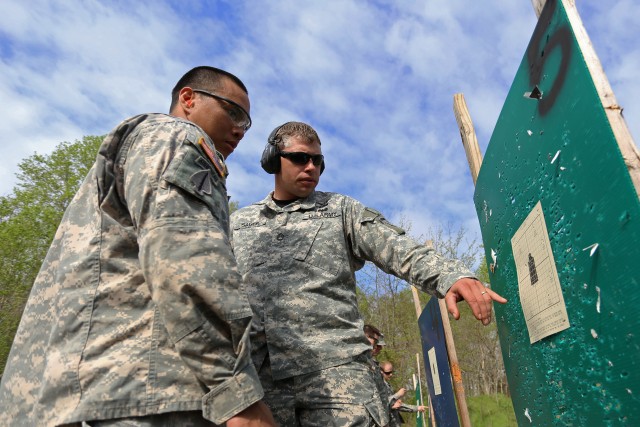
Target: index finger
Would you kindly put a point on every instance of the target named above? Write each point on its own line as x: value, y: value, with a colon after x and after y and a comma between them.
x: 496, y: 297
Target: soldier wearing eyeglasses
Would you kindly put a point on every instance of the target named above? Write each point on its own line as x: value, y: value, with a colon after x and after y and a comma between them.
x: 137, y: 316
x: 298, y: 250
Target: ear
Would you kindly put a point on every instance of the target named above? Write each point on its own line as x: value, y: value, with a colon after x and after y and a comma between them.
x: 186, y: 97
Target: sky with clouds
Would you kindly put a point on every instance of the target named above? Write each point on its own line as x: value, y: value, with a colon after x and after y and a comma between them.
x: 375, y: 78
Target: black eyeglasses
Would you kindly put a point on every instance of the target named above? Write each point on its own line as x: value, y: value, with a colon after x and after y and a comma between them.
x: 238, y: 115
x: 300, y: 158
x: 387, y: 373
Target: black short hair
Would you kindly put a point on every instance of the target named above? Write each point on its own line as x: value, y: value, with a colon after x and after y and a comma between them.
x: 203, y: 77
x: 371, y: 331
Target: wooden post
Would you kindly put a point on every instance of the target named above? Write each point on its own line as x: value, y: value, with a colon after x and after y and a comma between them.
x: 416, y: 301
x: 537, y: 6
x: 456, y: 375
x: 474, y: 158
x: 468, y: 135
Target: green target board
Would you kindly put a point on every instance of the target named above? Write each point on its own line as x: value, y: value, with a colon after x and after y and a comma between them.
x: 560, y: 220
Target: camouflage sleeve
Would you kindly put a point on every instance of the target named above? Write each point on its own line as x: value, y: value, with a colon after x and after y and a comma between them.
x: 404, y: 407
x: 374, y: 239
x: 189, y: 266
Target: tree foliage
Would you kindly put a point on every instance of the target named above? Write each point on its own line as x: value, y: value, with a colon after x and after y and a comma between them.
x: 29, y: 218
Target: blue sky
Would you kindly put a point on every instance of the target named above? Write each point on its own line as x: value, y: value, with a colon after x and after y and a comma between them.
x: 375, y: 78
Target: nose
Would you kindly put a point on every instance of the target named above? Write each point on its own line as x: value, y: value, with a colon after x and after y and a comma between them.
x: 238, y: 132
x: 309, y: 165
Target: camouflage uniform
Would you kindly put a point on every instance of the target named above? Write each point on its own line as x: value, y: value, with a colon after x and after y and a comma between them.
x: 138, y: 308
x: 395, y: 419
x: 298, y: 264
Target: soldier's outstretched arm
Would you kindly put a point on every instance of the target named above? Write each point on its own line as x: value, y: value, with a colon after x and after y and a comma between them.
x: 388, y: 247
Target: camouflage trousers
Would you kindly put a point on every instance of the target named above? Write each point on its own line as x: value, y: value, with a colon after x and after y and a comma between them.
x: 170, y: 419
x: 344, y: 395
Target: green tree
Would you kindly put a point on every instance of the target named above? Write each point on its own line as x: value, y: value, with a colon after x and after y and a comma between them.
x: 29, y: 218
x: 233, y: 206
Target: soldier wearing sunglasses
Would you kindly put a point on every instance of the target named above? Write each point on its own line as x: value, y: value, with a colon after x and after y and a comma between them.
x: 396, y: 405
x: 298, y: 250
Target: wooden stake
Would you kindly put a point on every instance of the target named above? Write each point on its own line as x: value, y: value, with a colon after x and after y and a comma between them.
x: 454, y: 366
x: 471, y: 148
x: 537, y: 6
x: 468, y: 135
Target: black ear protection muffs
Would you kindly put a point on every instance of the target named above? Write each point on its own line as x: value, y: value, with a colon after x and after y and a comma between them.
x: 270, y: 159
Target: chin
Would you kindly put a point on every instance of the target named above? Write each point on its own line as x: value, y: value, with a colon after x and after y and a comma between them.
x: 304, y: 194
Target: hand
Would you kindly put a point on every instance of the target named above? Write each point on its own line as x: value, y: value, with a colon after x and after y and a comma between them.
x: 422, y: 408
x: 477, y: 296
x: 396, y: 404
x: 256, y: 415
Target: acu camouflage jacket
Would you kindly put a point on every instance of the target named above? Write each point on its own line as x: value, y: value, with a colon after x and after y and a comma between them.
x: 137, y: 308
x: 298, y: 264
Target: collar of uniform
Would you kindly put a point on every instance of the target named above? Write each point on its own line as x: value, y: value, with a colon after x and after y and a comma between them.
x: 301, y: 204
x: 223, y: 163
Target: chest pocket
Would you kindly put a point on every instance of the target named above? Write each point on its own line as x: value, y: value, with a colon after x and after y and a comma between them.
x: 251, y: 244
x: 324, y: 247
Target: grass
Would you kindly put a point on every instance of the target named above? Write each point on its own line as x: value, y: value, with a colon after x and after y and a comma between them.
x: 494, y: 410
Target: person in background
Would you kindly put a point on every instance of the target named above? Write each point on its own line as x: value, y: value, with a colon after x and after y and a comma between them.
x: 375, y: 337
x: 298, y: 250
x: 137, y: 316
x: 379, y: 346
x: 396, y: 405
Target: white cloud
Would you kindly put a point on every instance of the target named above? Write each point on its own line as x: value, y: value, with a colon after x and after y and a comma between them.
x: 375, y: 78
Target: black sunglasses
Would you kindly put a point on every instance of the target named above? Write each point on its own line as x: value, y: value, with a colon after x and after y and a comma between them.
x: 238, y: 115
x: 388, y: 373
x: 300, y: 158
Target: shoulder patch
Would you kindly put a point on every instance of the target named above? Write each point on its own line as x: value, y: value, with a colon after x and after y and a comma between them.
x: 370, y: 214
x: 202, y: 182
x: 395, y: 228
x: 211, y: 153
x: 373, y: 216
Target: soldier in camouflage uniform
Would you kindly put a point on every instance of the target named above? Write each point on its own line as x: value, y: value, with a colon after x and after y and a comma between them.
x: 137, y: 314
x: 298, y: 250
x: 376, y: 338
x: 395, y: 404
